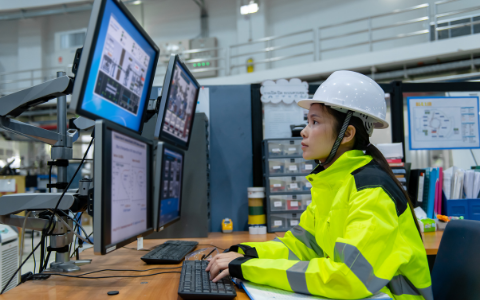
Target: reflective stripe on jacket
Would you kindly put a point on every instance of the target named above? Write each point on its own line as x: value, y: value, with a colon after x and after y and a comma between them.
x: 356, y: 238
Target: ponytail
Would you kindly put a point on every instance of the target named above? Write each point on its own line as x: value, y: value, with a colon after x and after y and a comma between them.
x: 362, y: 142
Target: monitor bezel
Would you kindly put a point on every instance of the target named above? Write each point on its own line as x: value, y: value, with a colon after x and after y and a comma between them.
x: 102, y: 186
x: 81, y: 78
x: 157, y: 184
x: 159, y: 133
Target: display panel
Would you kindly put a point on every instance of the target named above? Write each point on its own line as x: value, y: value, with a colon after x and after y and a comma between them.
x: 129, y: 187
x: 122, y: 179
x: 115, y: 82
x: 177, y: 109
x: 171, y: 187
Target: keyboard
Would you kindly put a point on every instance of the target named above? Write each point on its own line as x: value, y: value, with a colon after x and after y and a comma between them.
x: 195, y: 283
x: 170, y: 252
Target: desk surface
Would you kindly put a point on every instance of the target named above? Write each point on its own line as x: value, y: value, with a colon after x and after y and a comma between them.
x: 164, y: 286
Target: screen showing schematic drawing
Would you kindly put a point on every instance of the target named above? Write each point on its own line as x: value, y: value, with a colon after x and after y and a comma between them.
x: 171, y: 188
x: 181, y: 98
x: 129, y: 187
x: 122, y: 66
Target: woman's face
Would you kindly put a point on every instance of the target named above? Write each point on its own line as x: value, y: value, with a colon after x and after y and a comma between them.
x: 318, y: 137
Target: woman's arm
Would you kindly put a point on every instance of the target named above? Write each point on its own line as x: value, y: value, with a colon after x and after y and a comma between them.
x: 364, y: 262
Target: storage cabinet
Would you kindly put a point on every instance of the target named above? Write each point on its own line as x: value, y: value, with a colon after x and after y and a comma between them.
x: 288, y: 191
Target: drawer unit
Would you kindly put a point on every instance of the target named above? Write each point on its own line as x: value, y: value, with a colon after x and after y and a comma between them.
x: 288, y: 191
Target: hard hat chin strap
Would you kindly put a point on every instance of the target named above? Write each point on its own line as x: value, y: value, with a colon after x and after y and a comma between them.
x: 339, y: 139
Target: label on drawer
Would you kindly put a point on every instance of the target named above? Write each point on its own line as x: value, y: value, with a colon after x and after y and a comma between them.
x: 294, y: 222
x: 308, y: 166
x: 292, y: 149
x: 277, y: 223
x: 277, y: 185
x: 308, y: 202
x: 277, y: 203
x: 308, y: 184
x: 292, y: 168
x: 276, y: 167
x: 294, y: 185
x: 294, y: 203
x: 276, y: 150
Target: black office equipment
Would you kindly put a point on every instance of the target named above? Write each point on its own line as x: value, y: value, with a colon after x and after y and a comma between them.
x: 196, y: 284
x: 170, y: 252
x: 456, y: 273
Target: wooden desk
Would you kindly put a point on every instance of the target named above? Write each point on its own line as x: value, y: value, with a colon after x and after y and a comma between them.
x: 163, y: 286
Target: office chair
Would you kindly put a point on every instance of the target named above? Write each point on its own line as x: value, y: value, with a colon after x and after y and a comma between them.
x: 456, y: 272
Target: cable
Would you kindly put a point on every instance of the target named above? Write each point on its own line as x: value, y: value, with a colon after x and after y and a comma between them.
x: 20, y: 256
x: 118, y: 276
x: 79, y: 225
x: 71, y: 229
x: 79, y: 246
x: 120, y: 270
x: 51, y: 219
x: 34, y: 261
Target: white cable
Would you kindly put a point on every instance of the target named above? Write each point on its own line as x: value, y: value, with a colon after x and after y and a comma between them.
x: 20, y: 252
x: 70, y: 228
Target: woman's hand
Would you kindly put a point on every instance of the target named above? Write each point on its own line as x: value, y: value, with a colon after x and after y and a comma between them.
x: 220, y: 262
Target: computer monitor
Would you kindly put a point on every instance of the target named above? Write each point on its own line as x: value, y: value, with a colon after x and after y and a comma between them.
x: 168, y: 179
x: 122, y: 187
x: 177, y: 109
x: 116, y: 69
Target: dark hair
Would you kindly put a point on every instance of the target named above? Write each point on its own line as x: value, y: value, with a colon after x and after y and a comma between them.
x: 362, y: 142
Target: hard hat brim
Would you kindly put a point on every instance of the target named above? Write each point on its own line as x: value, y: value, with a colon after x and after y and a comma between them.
x: 378, y: 124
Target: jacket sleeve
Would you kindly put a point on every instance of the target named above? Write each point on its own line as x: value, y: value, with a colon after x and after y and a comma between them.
x: 364, y: 259
x: 297, y: 244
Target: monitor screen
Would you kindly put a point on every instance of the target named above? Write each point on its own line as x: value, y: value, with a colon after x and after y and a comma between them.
x: 179, y: 100
x: 116, y: 69
x: 129, y: 187
x: 122, y: 175
x: 167, y: 185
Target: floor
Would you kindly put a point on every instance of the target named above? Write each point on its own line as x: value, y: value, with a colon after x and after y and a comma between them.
x: 27, y: 249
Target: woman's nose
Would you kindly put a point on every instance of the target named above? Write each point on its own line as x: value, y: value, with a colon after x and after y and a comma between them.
x: 303, y: 133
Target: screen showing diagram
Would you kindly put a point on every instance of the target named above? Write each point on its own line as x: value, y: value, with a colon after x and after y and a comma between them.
x: 129, y: 187
x: 121, y: 76
x: 171, y: 187
x: 121, y: 71
x: 443, y: 122
x: 181, y: 101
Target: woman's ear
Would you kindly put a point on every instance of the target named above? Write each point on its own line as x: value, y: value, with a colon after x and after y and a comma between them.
x: 349, y: 135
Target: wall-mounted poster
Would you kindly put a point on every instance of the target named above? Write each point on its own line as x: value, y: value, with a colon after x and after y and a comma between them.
x: 443, y: 123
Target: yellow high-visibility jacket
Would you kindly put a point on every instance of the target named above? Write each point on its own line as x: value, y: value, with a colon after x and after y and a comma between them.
x: 356, y: 238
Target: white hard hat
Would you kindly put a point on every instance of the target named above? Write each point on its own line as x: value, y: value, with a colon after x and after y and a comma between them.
x: 347, y: 90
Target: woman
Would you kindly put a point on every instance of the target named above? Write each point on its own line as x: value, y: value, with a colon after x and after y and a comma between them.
x: 359, y: 235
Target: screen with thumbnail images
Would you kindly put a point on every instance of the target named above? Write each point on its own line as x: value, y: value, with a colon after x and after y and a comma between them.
x: 177, y: 108
x: 121, y: 71
x: 171, y: 187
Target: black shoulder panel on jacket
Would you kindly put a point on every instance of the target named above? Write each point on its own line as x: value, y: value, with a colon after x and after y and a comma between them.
x: 371, y: 176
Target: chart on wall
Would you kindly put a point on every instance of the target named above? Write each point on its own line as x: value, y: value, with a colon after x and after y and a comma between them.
x: 443, y: 122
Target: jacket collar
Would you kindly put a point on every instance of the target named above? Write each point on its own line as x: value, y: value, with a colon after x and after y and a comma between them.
x: 338, y: 171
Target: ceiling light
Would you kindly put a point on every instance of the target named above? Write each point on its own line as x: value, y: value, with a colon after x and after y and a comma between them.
x: 250, y: 8
x: 137, y: 2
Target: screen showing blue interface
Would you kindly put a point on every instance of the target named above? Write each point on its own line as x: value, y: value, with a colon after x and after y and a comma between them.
x: 171, y: 188
x: 121, y: 69
x: 181, y: 101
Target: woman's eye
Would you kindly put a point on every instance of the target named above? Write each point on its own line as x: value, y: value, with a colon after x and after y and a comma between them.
x: 315, y: 122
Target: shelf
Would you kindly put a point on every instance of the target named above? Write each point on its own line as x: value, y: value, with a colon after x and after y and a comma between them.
x: 289, y: 193
x: 286, y: 211
x: 287, y: 175
x: 283, y: 156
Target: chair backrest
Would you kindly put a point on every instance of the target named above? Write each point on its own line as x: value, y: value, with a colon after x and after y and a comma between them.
x: 456, y: 272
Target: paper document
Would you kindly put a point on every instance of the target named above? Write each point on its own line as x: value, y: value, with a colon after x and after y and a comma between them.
x: 263, y: 292
x: 468, y: 183
x: 458, y: 184
x: 476, y: 185
x: 447, y: 182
